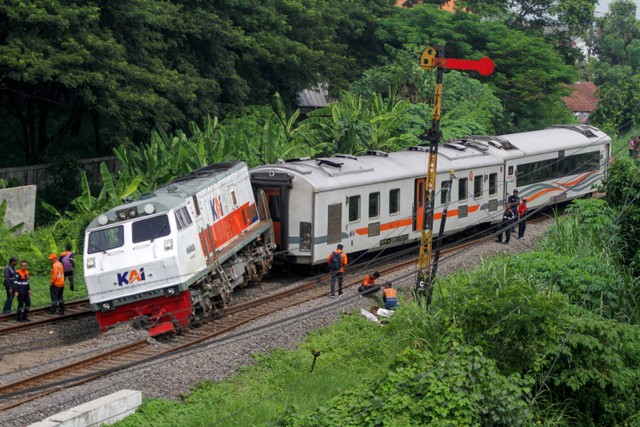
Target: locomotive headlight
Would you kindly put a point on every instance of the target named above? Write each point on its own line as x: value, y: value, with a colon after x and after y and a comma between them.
x: 106, y: 306
x: 168, y: 244
x: 103, y: 219
x: 133, y: 212
x: 149, y: 209
x: 122, y: 215
x: 91, y: 262
x: 170, y: 291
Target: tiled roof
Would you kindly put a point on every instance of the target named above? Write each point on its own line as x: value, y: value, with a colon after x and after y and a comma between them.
x: 583, y: 97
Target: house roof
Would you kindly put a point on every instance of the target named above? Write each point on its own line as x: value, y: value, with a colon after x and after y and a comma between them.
x: 583, y: 97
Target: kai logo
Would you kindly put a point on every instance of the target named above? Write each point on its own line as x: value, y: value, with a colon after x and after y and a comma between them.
x: 129, y: 277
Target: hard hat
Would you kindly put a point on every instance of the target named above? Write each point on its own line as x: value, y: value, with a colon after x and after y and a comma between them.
x: 53, y: 256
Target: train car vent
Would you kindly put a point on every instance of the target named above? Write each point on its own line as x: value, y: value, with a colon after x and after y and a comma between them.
x: 585, y: 130
x: 493, y: 205
x: 480, y: 145
x: 329, y: 163
x: 346, y: 156
x: 463, y: 211
x: 374, y: 229
x: 455, y: 146
x: 421, y: 148
x: 334, y: 223
x: 377, y: 153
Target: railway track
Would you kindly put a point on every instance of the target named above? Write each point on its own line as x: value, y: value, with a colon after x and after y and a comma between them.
x: 40, y: 316
x: 135, y: 353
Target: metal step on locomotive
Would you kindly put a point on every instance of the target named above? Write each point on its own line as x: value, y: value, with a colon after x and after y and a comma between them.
x: 175, y: 255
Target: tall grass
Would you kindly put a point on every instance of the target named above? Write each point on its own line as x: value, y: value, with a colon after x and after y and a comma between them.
x: 280, y: 381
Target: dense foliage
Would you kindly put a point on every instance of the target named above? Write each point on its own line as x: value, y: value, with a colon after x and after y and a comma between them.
x: 115, y: 70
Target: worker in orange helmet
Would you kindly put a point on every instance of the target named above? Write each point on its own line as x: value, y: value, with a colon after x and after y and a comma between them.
x: 56, y: 289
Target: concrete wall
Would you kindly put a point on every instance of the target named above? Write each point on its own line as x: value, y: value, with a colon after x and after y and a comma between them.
x: 21, y: 206
x: 105, y: 410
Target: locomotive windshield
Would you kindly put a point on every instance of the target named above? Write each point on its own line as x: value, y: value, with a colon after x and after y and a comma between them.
x: 105, y: 239
x: 150, y: 228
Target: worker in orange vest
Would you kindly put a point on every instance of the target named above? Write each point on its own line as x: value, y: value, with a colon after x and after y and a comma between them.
x: 368, y: 286
x: 389, y: 296
x: 56, y: 289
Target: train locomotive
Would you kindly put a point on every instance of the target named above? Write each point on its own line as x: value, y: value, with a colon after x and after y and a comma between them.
x: 376, y: 200
x: 174, y: 256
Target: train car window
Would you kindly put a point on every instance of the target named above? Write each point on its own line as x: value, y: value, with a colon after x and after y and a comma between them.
x: 274, y: 207
x: 493, y: 184
x: 394, y: 201
x: 354, y: 208
x: 234, y: 198
x: 477, y: 186
x: 105, y: 239
x: 374, y: 205
x: 530, y: 173
x: 150, y: 228
x: 463, y: 184
x: 183, y: 219
x: 443, y: 192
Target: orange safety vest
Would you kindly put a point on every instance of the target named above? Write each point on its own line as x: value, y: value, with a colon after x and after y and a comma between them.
x: 343, y: 257
x: 57, y: 274
x: 368, y: 281
x: 390, y: 293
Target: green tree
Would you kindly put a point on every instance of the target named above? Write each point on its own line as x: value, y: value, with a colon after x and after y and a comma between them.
x: 529, y: 73
x: 617, y: 44
x: 127, y: 67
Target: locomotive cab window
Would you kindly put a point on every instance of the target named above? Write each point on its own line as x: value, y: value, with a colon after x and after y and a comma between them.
x: 183, y: 219
x: 150, y: 228
x: 234, y: 198
x: 462, y: 188
x: 394, y: 201
x: 354, y: 208
x: 374, y: 205
x: 105, y: 239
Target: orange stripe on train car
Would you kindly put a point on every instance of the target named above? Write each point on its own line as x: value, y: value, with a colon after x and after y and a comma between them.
x: 577, y: 180
x: 204, y: 250
x: 230, y: 225
x: 542, y: 192
x: 408, y: 221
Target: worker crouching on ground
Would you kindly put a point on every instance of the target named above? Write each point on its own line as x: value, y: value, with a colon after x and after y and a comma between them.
x: 389, y: 297
x: 368, y: 286
x: 56, y: 289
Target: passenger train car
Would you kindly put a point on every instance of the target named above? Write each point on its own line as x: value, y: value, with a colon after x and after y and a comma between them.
x: 175, y: 255
x: 376, y: 200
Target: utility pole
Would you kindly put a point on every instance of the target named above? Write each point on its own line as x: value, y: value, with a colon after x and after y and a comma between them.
x: 433, y: 57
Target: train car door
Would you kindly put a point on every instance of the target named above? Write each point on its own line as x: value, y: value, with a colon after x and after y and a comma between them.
x: 274, y: 202
x: 418, y: 204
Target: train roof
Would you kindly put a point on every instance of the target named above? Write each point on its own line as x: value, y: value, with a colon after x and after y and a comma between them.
x: 174, y: 193
x: 340, y: 171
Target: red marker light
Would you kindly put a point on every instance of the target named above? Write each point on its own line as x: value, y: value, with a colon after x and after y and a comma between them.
x: 484, y: 66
